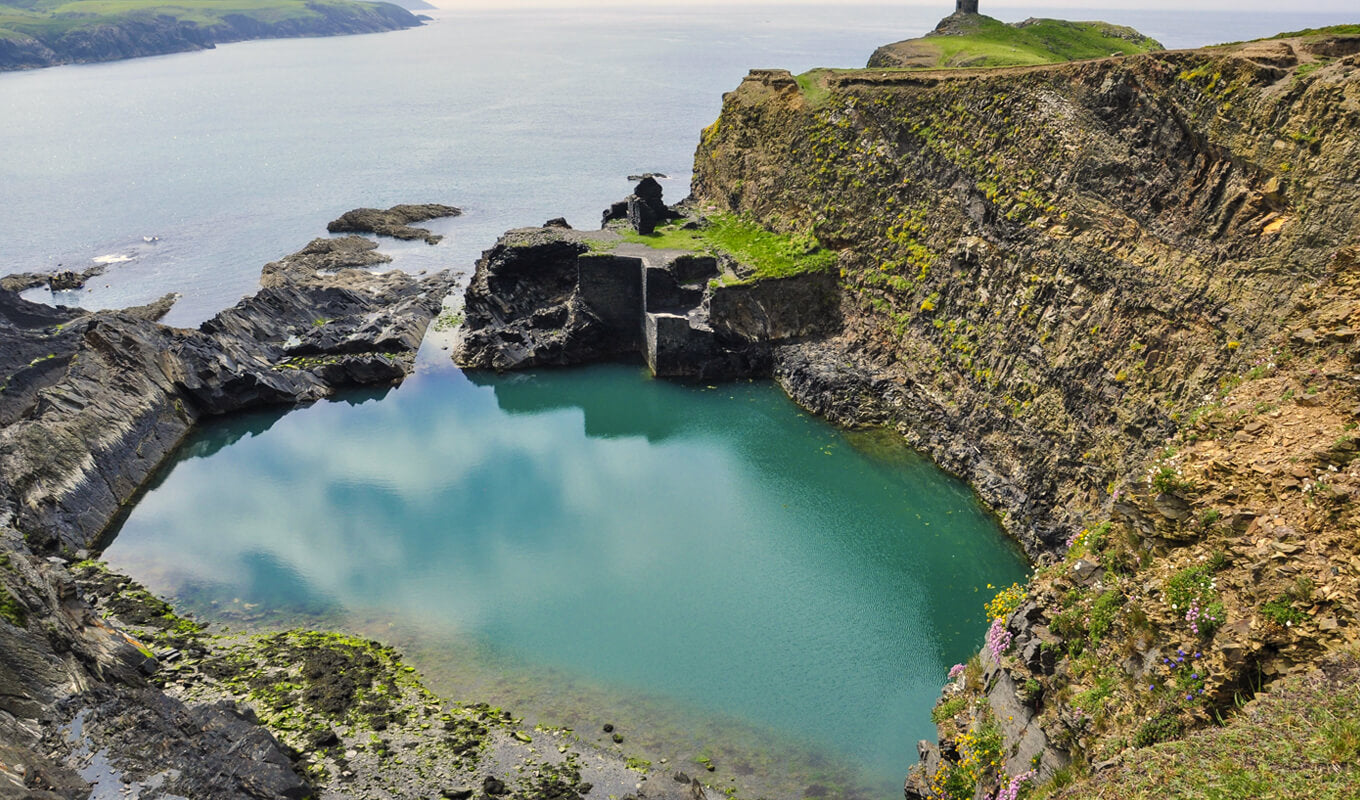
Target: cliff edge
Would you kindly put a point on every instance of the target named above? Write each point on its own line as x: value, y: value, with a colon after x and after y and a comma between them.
x: 1120, y: 298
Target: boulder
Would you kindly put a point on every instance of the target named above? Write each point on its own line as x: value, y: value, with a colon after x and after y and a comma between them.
x: 395, y: 221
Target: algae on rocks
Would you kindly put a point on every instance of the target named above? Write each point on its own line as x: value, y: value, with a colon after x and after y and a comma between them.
x: 1152, y: 335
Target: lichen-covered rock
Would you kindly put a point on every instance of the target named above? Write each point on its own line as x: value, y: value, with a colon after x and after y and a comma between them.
x: 92, y: 402
x: 1119, y: 297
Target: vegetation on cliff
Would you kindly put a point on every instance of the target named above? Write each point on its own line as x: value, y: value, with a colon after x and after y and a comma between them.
x: 766, y: 254
x: 976, y: 40
x: 38, y: 33
x: 1143, y: 353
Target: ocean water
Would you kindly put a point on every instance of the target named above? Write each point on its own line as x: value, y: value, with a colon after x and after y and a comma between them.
x: 240, y: 155
x: 714, y: 571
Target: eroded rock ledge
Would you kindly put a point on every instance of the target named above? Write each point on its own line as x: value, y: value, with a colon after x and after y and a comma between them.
x: 93, y: 402
x: 554, y: 296
x: 90, y: 404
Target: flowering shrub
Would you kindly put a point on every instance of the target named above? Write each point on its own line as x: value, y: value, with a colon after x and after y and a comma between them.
x: 1187, y: 675
x: 1006, y: 601
x: 979, y: 753
x: 1088, y: 540
x: 1011, y: 790
x: 955, y: 671
x: 1193, y: 593
x: 1204, y: 621
x: 998, y: 638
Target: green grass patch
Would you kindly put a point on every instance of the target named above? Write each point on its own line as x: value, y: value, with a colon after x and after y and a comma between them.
x: 981, y: 41
x: 1301, y: 740
x: 948, y: 709
x: 1332, y: 30
x: 814, y: 90
x: 768, y: 254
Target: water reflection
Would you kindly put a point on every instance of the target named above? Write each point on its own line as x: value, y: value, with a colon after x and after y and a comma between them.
x: 711, y: 547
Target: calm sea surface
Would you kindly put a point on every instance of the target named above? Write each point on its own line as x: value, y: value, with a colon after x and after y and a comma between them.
x: 240, y: 155
x: 707, y: 567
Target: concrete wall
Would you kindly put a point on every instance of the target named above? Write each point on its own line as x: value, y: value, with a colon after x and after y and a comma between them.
x: 611, y: 287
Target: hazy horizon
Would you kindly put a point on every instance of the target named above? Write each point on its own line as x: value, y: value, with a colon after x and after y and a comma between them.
x: 1247, y: 6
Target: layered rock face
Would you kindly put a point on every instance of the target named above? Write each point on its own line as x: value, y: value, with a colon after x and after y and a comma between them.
x: 94, y: 401
x: 90, y: 404
x: 1047, y: 264
x: 1119, y: 297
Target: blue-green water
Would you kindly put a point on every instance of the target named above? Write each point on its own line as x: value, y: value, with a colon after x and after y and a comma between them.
x: 711, y: 569
x: 724, y: 572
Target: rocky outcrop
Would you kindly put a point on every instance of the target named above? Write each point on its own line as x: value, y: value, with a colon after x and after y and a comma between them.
x: 77, y: 708
x: 395, y: 221
x: 61, y: 280
x: 1115, y: 349
x: 75, y: 38
x: 92, y: 402
x: 557, y: 297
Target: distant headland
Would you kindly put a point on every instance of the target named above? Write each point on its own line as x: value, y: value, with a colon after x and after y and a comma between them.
x: 967, y: 38
x: 50, y: 32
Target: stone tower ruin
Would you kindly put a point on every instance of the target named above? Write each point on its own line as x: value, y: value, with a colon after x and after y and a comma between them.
x: 966, y: 7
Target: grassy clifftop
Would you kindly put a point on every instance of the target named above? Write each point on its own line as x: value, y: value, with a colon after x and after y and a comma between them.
x: 39, y: 33
x: 975, y: 40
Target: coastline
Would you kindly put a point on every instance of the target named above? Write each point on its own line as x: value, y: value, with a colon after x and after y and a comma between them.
x: 31, y: 45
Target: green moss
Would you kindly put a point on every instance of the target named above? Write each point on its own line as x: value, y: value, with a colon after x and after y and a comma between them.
x: 1282, y: 612
x: 1103, y: 613
x: 1161, y: 728
x: 11, y: 610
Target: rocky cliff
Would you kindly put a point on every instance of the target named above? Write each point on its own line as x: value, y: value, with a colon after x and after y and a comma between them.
x: 90, y: 403
x: 105, y: 690
x: 553, y: 296
x: 1119, y: 297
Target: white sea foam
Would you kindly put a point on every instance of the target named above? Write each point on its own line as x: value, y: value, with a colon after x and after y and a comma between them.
x: 111, y: 259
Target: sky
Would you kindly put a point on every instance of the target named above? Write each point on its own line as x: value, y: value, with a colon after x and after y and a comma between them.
x: 1297, y: 6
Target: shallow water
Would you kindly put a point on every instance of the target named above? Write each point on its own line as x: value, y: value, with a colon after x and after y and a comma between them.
x: 717, y: 569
